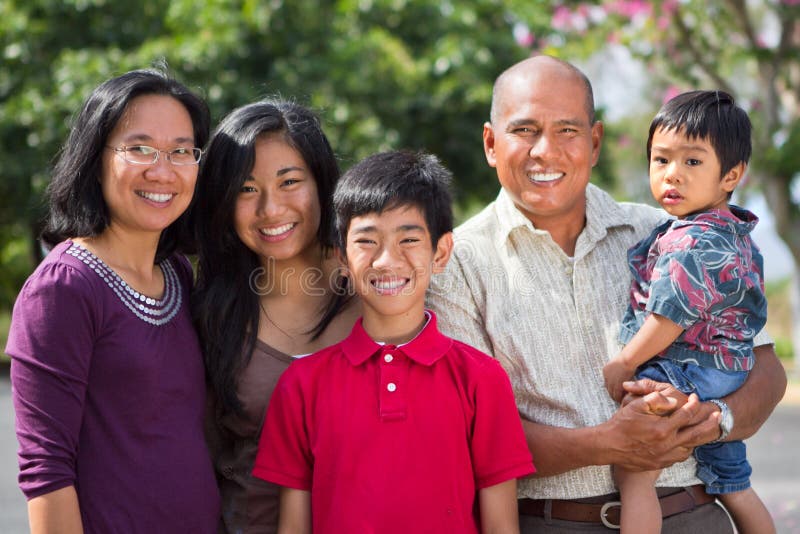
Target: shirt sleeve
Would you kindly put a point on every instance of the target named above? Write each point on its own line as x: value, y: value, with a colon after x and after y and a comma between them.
x: 51, y: 340
x: 455, y: 303
x: 499, y: 449
x: 694, y: 285
x: 284, y: 454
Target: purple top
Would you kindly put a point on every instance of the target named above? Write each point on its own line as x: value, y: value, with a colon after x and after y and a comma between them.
x: 704, y: 273
x: 109, y: 394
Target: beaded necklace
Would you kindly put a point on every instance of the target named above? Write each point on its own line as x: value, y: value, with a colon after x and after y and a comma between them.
x: 149, y: 310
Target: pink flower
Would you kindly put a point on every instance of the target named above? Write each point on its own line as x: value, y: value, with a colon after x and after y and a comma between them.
x: 629, y: 8
x: 562, y: 18
x: 669, y: 7
x: 663, y: 22
x: 671, y: 92
x: 523, y: 35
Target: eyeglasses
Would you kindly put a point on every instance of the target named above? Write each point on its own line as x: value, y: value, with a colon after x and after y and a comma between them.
x: 147, y: 155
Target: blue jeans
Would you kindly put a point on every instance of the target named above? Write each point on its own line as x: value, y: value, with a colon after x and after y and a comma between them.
x: 723, y: 466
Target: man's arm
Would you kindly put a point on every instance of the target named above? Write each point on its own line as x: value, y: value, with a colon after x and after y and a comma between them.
x: 648, y: 432
x: 751, y: 404
x: 658, y: 425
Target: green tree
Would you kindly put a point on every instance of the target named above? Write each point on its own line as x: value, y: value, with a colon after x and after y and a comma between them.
x: 383, y: 73
x: 749, y: 49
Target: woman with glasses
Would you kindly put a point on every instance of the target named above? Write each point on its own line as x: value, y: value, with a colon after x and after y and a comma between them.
x: 268, y: 286
x: 107, y: 373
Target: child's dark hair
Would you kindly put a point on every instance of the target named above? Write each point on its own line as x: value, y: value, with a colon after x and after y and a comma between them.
x: 393, y: 179
x: 711, y: 115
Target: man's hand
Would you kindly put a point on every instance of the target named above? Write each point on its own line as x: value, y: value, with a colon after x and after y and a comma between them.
x: 615, y: 372
x: 705, y: 429
x: 657, y: 429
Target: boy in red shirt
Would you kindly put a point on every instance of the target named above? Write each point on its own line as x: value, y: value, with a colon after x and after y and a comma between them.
x: 397, y: 428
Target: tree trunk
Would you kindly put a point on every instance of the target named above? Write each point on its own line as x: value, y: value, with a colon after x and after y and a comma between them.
x: 787, y: 223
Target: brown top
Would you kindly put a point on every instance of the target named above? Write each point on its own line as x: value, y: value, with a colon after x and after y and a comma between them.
x: 249, y: 505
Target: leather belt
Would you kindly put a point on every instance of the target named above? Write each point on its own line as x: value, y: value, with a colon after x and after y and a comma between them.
x: 608, y: 513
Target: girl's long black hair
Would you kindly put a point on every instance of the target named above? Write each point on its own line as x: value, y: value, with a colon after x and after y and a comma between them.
x: 225, y: 305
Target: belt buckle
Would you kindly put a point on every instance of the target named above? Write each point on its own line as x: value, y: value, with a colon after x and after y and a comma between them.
x: 604, y: 513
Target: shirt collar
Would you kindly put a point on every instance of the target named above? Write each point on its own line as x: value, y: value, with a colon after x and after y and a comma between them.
x: 426, y: 348
x: 602, y: 213
x: 736, y: 221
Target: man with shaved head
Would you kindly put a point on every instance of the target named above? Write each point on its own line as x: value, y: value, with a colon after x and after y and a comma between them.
x: 539, y: 280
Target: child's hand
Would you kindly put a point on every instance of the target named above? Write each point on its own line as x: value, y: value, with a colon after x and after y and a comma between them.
x: 615, y: 372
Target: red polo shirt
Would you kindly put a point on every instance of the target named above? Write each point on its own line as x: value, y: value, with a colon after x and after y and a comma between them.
x: 393, y: 439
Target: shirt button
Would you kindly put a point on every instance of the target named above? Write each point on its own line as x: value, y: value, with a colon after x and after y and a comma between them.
x: 391, y: 386
x: 388, y: 358
x: 568, y: 269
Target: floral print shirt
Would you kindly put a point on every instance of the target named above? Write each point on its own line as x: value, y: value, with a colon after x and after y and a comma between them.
x: 704, y: 273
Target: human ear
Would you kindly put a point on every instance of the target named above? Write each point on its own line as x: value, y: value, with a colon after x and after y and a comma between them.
x: 488, y: 144
x: 597, y: 140
x: 733, y: 177
x: 444, y: 248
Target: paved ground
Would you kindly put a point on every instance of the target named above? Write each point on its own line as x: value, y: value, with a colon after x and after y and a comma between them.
x: 13, y: 511
x: 773, y: 453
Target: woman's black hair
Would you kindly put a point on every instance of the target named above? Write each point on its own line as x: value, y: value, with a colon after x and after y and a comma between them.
x: 225, y: 303
x: 76, y: 204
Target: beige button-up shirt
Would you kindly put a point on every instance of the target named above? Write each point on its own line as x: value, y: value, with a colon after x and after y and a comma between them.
x: 552, y: 321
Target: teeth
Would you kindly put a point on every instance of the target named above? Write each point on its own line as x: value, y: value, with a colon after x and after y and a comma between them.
x: 277, y: 230
x: 544, y: 177
x: 389, y: 284
x: 155, y: 197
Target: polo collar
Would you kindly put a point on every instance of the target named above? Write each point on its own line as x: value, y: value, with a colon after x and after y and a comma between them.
x: 602, y: 214
x: 426, y: 348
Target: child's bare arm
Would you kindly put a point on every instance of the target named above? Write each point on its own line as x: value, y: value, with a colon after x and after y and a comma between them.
x: 295, y: 512
x: 655, y: 335
x: 498, y: 506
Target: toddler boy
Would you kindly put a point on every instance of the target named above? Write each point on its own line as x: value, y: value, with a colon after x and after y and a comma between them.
x: 697, y: 298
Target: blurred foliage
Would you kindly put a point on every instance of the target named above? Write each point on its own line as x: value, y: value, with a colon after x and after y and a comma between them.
x: 5, y: 323
x: 779, y: 316
x: 750, y: 49
x: 382, y: 73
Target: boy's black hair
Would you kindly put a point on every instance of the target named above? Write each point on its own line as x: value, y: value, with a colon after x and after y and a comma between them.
x: 389, y: 180
x: 711, y: 115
